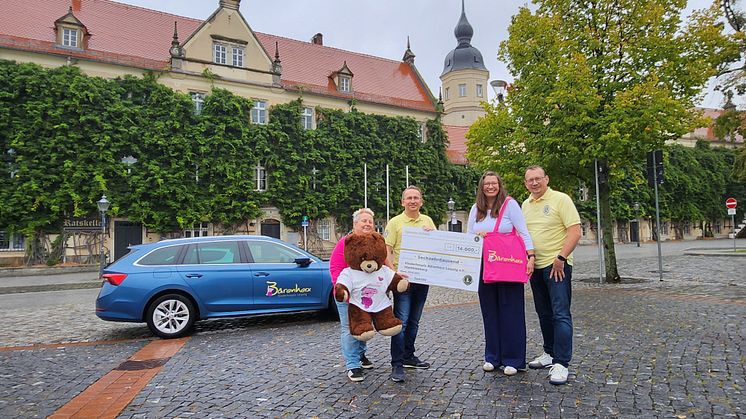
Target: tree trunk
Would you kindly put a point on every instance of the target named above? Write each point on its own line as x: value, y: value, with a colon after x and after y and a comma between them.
x: 612, y: 274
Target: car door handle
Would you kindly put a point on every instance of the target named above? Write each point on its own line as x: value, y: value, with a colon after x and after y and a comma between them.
x: 261, y: 273
x: 193, y: 275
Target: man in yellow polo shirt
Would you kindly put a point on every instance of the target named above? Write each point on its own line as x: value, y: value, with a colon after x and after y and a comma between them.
x: 408, y: 306
x: 554, y: 225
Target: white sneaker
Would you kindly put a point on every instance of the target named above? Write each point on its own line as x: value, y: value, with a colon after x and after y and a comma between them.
x: 510, y: 371
x: 558, y: 374
x: 542, y: 361
x: 488, y: 367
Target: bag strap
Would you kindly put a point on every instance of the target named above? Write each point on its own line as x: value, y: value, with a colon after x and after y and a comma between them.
x: 502, y: 211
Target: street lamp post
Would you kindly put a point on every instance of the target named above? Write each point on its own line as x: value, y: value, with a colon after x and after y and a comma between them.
x: 637, y: 214
x: 103, y: 206
x: 451, y: 207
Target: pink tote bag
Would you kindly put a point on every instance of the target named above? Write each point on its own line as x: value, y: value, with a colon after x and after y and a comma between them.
x: 504, y: 255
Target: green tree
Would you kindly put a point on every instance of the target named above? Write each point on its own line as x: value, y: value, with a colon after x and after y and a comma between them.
x: 598, y: 80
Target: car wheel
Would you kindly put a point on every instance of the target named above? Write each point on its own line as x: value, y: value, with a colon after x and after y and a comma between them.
x: 171, y: 316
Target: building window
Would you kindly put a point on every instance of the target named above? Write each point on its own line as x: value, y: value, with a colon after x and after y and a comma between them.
x: 197, y: 230
x: 70, y: 37
x: 260, y: 177
x: 10, y: 242
x: 198, y: 99
x: 259, y: 112
x: 221, y: 54
x: 238, y: 54
x: 344, y: 84
x: 461, y: 90
x: 446, y: 93
x: 480, y: 93
x: 422, y: 132
x: 324, y: 228
x: 306, y: 118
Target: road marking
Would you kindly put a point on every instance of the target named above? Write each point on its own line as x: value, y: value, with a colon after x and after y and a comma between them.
x: 67, y: 344
x: 111, y: 394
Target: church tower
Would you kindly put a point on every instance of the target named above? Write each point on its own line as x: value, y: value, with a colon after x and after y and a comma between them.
x: 464, y: 80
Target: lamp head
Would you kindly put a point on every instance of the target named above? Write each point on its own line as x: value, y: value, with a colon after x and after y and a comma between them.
x: 103, y: 204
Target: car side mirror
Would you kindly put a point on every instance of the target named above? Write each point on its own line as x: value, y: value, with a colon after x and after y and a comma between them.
x: 303, y: 261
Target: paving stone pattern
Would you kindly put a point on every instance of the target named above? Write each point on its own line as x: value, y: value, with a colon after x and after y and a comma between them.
x: 643, y: 348
x: 35, y: 383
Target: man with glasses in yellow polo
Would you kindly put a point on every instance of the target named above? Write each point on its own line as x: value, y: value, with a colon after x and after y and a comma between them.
x: 554, y: 225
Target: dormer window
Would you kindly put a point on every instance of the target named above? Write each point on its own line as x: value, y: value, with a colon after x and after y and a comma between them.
x: 343, y: 79
x: 344, y: 84
x: 69, y: 37
x: 70, y: 31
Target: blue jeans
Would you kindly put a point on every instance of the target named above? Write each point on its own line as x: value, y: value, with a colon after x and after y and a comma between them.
x: 408, y: 308
x: 552, y: 301
x: 352, y: 349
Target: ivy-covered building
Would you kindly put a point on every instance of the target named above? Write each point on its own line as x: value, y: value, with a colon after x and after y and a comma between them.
x: 112, y: 40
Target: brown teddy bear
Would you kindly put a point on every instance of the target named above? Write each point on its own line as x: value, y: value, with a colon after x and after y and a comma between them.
x: 365, y: 283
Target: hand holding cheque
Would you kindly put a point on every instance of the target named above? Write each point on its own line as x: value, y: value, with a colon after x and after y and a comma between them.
x: 443, y: 258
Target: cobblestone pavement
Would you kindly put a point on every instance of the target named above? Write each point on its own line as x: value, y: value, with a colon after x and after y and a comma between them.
x: 643, y: 348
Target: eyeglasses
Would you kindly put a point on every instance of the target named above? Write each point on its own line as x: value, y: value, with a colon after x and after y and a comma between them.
x: 491, y: 184
x: 535, y: 180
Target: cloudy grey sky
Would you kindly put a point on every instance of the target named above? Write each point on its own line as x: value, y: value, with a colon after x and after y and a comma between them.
x: 381, y: 27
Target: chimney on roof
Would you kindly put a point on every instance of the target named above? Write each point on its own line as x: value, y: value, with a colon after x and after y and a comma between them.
x: 230, y: 4
x: 76, y: 4
x: 318, y: 39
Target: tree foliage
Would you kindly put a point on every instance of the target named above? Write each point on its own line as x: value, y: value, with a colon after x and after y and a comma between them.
x: 598, y: 80
x: 63, y: 136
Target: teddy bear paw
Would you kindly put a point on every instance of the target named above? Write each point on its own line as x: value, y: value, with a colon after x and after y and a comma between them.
x: 402, y: 285
x: 391, y: 331
x: 365, y: 336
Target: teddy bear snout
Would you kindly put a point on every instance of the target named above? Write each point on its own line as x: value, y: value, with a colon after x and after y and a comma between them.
x: 369, y: 266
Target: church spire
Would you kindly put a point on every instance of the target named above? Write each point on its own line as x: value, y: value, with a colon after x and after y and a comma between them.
x: 463, y: 30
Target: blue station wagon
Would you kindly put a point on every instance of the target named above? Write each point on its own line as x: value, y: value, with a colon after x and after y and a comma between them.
x: 172, y: 283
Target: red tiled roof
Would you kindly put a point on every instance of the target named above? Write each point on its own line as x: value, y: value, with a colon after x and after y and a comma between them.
x: 456, y: 151
x: 134, y: 36
x: 708, y: 132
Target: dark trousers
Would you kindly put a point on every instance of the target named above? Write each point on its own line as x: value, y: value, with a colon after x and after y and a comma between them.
x: 503, y: 314
x: 552, y: 301
x: 408, y: 308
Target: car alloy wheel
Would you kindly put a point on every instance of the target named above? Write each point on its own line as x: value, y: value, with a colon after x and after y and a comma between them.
x: 171, y: 316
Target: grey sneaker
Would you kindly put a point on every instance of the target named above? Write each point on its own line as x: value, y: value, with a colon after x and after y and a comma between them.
x: 397, y: 373
x: 365, y: 362
x: 542, y: 361
x: 355, y: 374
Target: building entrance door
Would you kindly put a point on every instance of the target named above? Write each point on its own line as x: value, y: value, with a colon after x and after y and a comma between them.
x: 634, y: 231
x: 126, y: 233
x: 271, y: 228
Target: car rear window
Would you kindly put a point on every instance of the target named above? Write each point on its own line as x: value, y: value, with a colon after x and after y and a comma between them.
x: 163, y: 256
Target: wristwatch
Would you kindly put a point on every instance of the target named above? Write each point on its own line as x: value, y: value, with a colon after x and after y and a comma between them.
x: 532, y: 255
x: 562, y: 258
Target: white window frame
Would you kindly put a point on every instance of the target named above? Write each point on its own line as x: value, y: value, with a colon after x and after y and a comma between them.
x: 259, y: 112
x: 422, y: 132
x: 462, y: 90
x: 260, y: 178
x: 198, y: 98
x: 197, y: 230
x: 70, y: 37
x: 480, y: 90
x: 306, y: 118
x: 220, y: 53
x: 238, y: 56
x: 345, y: 83
x: 324, y: 229
x: 446, y: 93
x: 15, y: 242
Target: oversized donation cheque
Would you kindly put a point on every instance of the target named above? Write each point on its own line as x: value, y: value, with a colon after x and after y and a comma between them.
x: 442, y: 258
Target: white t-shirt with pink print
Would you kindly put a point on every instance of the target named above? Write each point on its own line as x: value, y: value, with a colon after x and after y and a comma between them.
x: 368, y: 290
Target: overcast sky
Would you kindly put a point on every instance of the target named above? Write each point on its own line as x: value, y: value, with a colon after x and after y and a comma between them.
x: 381, y: 27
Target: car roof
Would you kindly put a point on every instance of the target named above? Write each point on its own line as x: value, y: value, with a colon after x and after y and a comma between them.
x: 187, y: 240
